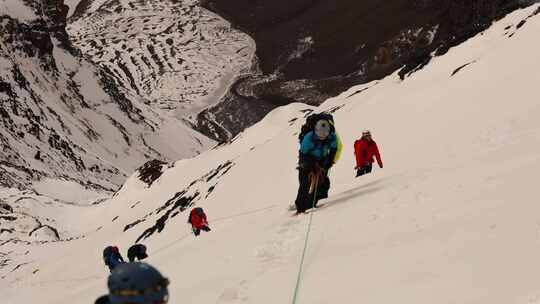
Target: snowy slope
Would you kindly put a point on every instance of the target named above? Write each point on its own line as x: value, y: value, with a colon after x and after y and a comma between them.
x: 72, y: 4
x: 174, y: 54
x: 452, y: 218
x: 17, y: 9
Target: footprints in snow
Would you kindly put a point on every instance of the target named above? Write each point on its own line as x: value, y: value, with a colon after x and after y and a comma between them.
x: 234, y: 294
x: 281, y: 246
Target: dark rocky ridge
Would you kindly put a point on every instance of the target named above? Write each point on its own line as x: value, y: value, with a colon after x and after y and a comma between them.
x: 309, y: 50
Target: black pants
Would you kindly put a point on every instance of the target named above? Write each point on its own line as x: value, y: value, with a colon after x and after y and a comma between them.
x: 304, y: 199
x: 364, y: 170
x: 197, y: 231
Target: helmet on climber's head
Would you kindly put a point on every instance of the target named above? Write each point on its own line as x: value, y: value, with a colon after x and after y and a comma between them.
x: 322, y: 129
x: 366, y: 134
x: 137, y: 283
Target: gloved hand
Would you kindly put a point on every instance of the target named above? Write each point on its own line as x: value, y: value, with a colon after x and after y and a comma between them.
x: 307, y: 162
x: 308, y: 166
x: 320, y: 169
x: 327, y: 165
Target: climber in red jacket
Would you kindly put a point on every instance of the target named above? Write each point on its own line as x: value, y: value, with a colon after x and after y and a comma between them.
x: 197, y: 219
x: 364, y: 150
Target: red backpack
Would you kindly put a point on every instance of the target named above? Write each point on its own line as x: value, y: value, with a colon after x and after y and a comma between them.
x: 197, y: 217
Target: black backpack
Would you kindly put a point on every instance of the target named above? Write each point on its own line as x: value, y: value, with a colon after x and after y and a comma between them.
x: 107, y: 252
x: 311, y: 121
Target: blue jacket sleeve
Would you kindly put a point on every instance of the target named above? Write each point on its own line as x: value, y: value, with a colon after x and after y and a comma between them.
x: 307, y: 143
x: 334, y: 143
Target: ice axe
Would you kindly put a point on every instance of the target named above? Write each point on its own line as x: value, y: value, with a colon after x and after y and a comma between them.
x: 314, y: 179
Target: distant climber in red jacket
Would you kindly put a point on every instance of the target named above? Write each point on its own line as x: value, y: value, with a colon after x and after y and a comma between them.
x: 197, y: 219
x: 364, y: 150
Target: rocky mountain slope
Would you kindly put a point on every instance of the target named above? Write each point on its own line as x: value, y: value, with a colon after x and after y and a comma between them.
x: 174, y: 54
x: 309, y: 50
x: 186, y: 59
x: 67, y: 124
x: 68, y: 135
x: 61, y: 117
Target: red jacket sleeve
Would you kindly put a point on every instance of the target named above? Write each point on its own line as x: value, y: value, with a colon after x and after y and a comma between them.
x: 204, y: 220
x: 378, y: 156
x: 357, y: 152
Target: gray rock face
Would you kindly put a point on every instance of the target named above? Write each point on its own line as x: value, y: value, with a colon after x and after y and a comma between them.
x: 60, y: 116
x: 177, y: 55
x: 174, y: 54
x: 309, y: 50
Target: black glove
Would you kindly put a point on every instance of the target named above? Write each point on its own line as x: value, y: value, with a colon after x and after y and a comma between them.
x: 329, y: 163
x: 330, y: 159
x: 308, y: 162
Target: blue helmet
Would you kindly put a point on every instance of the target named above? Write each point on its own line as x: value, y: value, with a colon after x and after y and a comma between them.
x: 137, y: 283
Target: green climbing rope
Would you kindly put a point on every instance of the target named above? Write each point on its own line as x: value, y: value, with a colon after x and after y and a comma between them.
x: 300, y: 270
